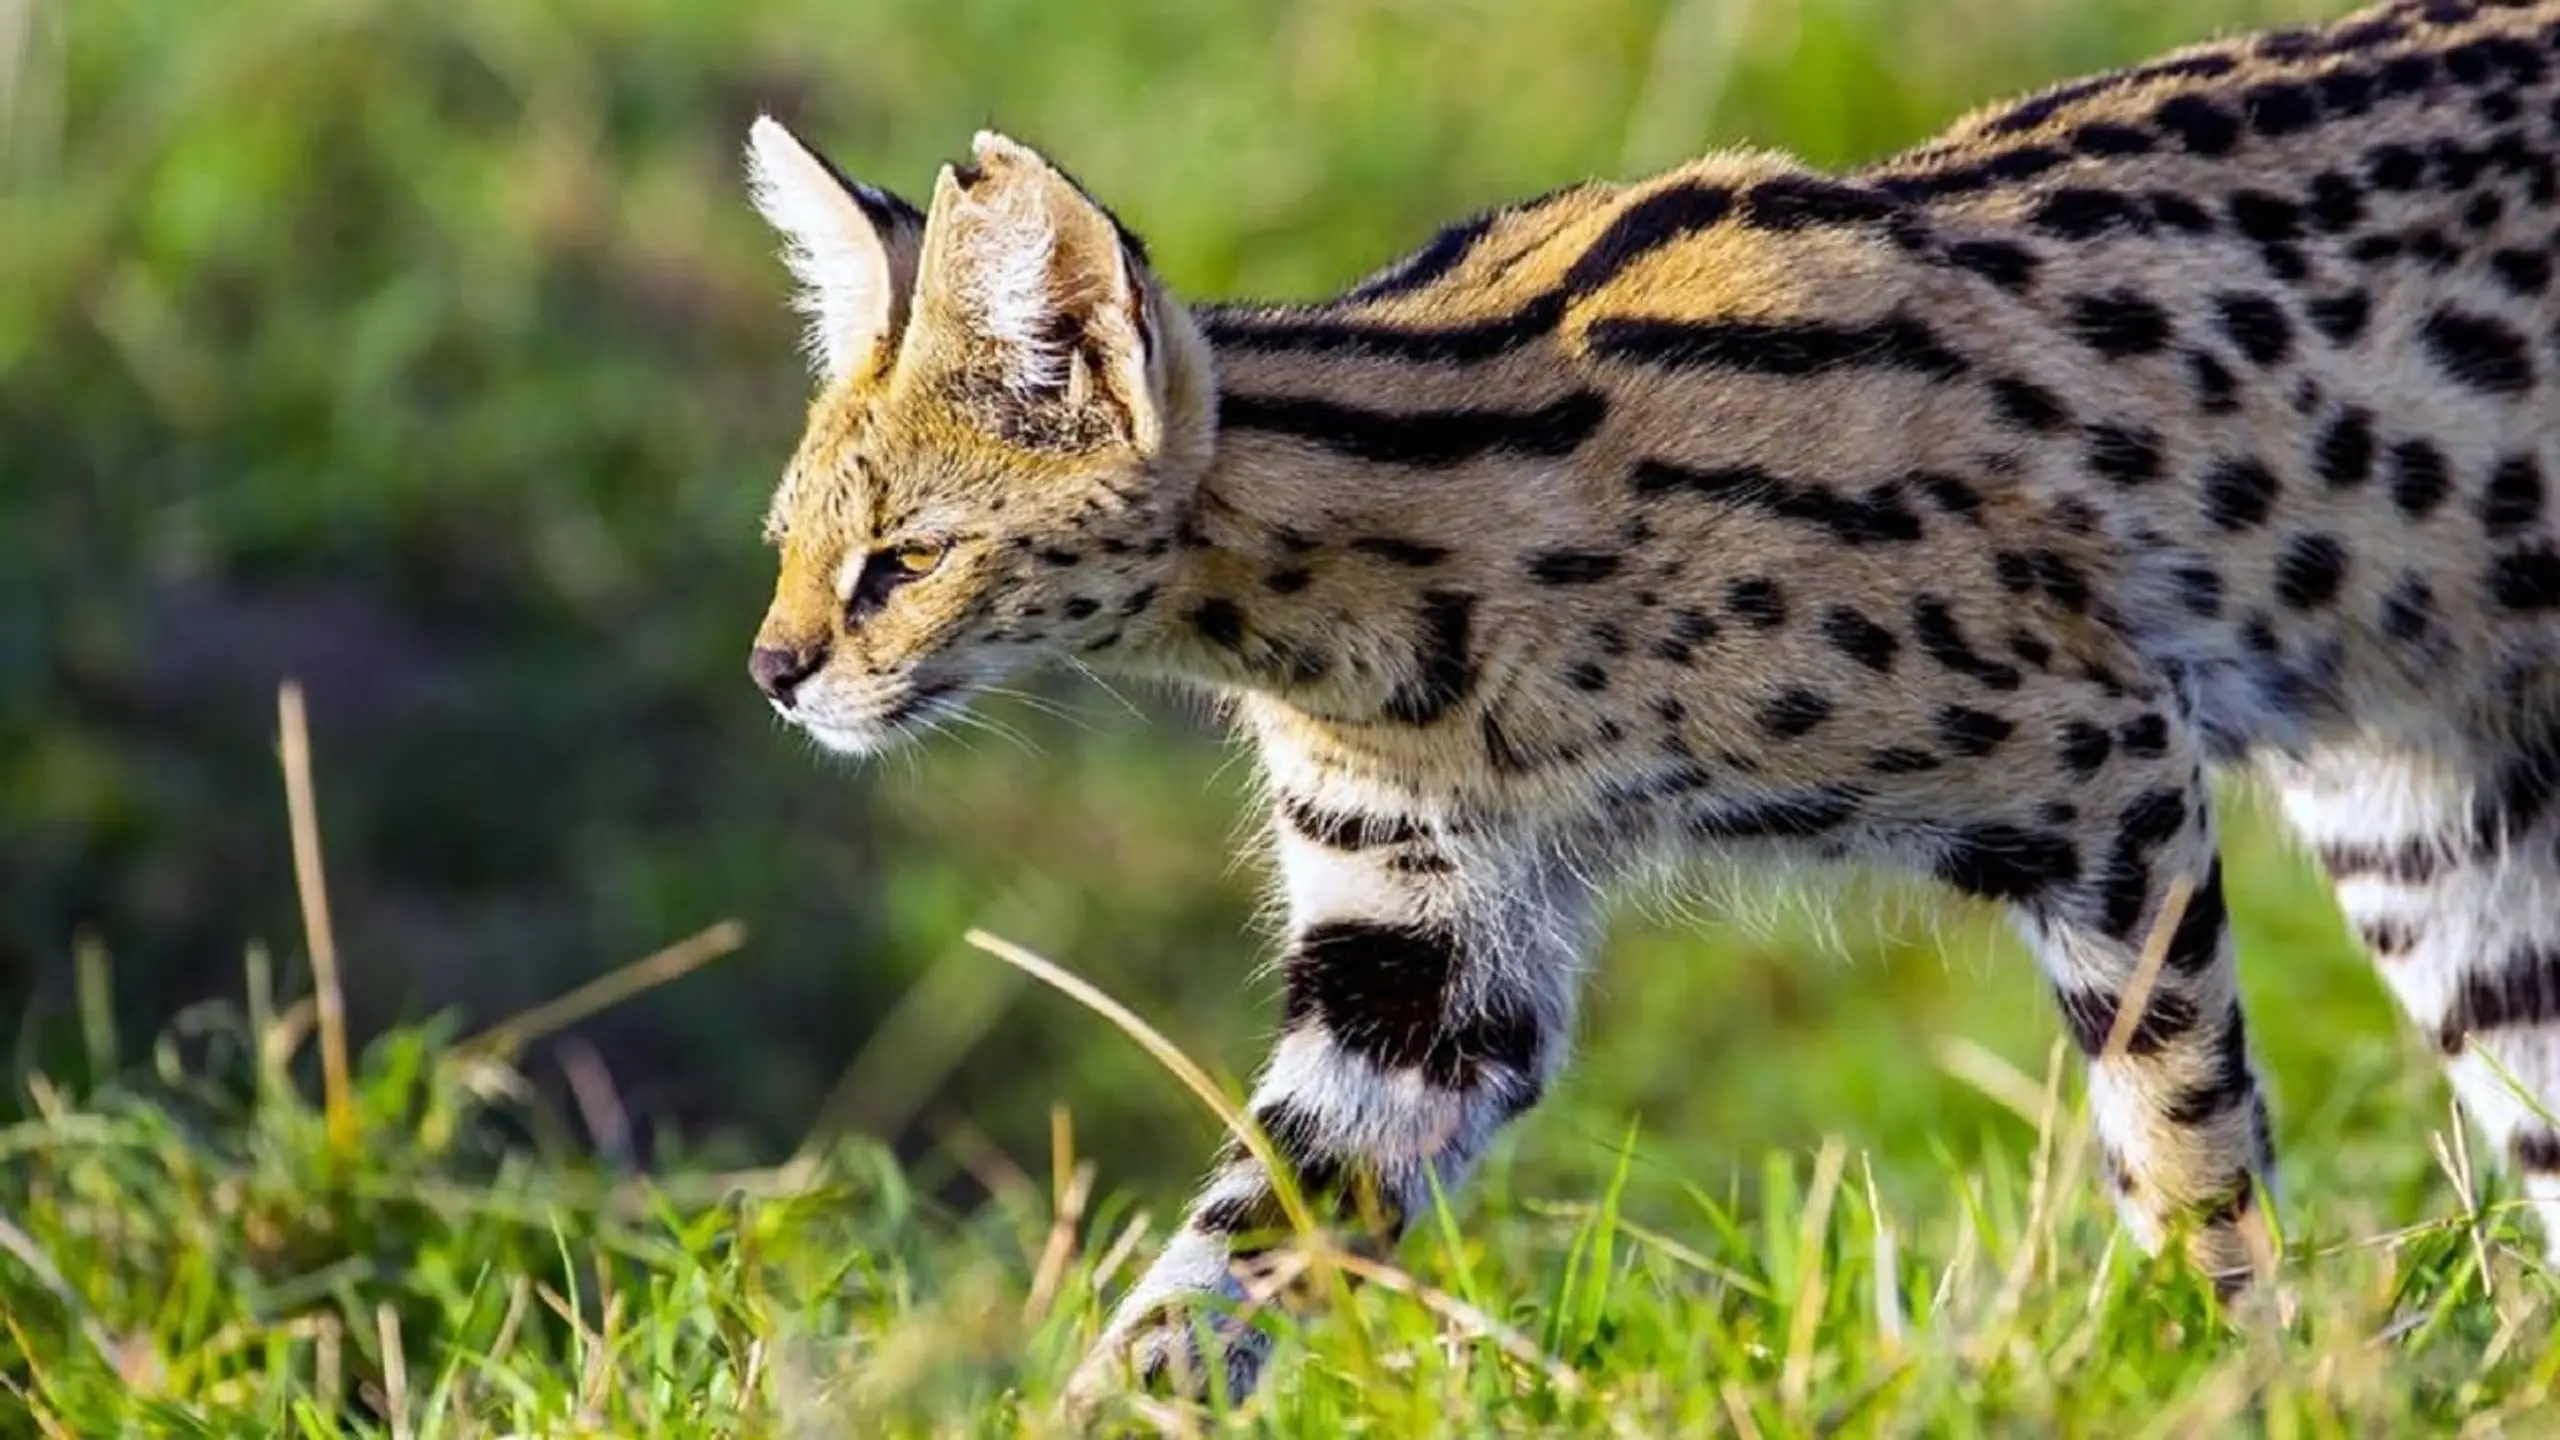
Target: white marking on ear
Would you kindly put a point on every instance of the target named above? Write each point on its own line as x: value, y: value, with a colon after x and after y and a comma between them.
x: 1011, y: 281
x: 850, y: 285
x: 1017, y: 303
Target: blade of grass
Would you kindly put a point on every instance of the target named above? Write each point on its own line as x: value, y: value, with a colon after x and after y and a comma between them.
x: 294, y: 751
x: 1182, y: 1067
x: 676, y: 961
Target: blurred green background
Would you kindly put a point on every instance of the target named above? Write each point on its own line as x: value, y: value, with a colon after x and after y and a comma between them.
x: 430, y: 354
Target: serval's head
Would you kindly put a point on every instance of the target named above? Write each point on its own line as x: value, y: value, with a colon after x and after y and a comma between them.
x: 1009, y: 420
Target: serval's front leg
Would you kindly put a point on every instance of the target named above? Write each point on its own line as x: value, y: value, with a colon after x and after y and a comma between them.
x: 1430, y: 991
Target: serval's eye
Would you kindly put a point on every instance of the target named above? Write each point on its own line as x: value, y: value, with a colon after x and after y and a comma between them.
x: 888, y: 569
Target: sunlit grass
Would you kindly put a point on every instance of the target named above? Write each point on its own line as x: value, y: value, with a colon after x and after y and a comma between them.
x: 181, y: 1248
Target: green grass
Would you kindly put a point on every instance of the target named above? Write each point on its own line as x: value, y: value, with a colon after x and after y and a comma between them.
x: 188, y: 1253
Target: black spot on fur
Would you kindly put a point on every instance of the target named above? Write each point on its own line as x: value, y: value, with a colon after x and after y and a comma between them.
x: 2239, y: 493
x: 2146, y: 736
x: 2428, y: 247
x: 2226, y: 1087
x: 2124, y: 454
x: 2514, y: 498
x: 1400, y: 551
x: 2013, y: 571
x: 1288, y: 580
x: 1949, y: 494
x: 2525, y: 272
x: 2256, y: 324
x: 1861, y: 639
x: 1444, y: 667
x: 2535, y: 1149
x: 2027, y: 405
x: 2011, y: 267
x: 2478, y: 351
x: 1902, y: 760
x: 1218, y: 621
x: 2395, y: 167
x: 2099, y: 138
x: 2269, y: 219
x: 2343, y: 455
x: 2180, y: 213
x: 1971, y: 732
x: 2414, y: 861
x: 2091, y: 1016
x: 2521, y: 990
x: 1379, y: 990
x: 2085, y: 748
x: 2386, y: 937
x: 2217, y: 389
x: 2341, y: 319
x: 1999, y: 861
x: 2203, y: 127
x: 2200, y: 590
x: 2521, y: 793
x: 1297, y: 1135
x: 2409, y: 611
x: 1690, y: 628
x: 2062, y: 580
x: 2150, y: 821
x: 2420, y: 479
x: 1793, y: 712
x: 2279, y: 108
x: 1573, y: 567
x: 2310, y: 570
x: 1935, y: 629
x: 2337, y: 203
x: 1790, y: 817
x: 2076, y: 212
x: 2197, y: 942
x: 1346, y: 830
x: 2120, y: 323
x: 1757, y: 601
x: 2527, y: 580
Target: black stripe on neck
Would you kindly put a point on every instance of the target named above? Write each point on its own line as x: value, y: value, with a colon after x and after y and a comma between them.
x: 1429, y: 439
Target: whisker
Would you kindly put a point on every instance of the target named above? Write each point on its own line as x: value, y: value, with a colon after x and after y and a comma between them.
x: 1105, y: 686
x: 988, y: 725
x: 1042, y: 704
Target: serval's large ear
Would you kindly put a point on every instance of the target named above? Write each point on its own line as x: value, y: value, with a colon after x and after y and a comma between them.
x: 1030, y: 289
x: 852, y: 247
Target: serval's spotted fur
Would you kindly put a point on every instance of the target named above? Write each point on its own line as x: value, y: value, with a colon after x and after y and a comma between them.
x: 1956, y: 514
